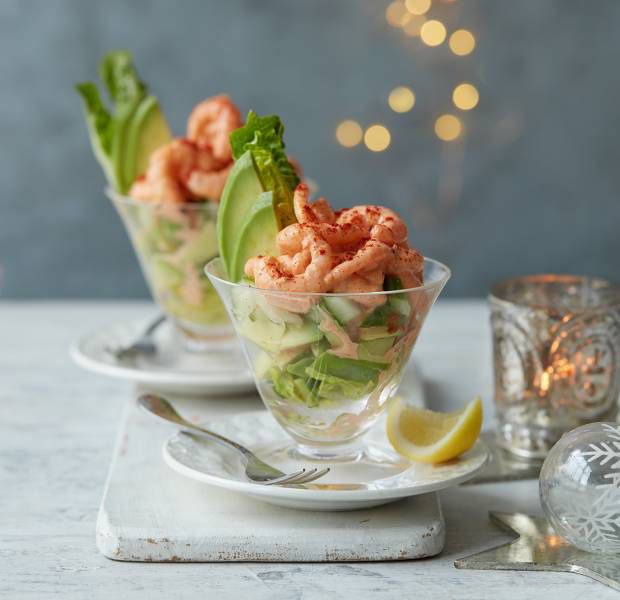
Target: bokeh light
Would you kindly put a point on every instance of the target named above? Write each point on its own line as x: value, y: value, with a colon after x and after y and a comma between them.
x: 377, y: 138
x: 433, y: 32
x: 462, y: 42
x: 412, y: 28
x: 349, y: 133
x: 465, y: 96
x: 401, y: 99
x: 448, y: 128
x: 396, y: 14
x: 418, y: 7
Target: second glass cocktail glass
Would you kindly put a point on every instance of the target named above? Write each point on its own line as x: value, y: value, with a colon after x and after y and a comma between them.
x: 173, y: 242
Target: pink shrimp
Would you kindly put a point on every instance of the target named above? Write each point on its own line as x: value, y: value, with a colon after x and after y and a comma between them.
x: 205, y: 184
x: 381, y: 223
x: 350, y: 251
x: 372, y: 255
x: 162, y: 181
x: 358, y: 284
x: 210, y: 124
x: 408, y: 266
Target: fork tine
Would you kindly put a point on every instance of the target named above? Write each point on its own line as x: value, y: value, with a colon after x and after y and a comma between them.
x: 313, y: 476
x: 286, y: 478
x: 303, y: 477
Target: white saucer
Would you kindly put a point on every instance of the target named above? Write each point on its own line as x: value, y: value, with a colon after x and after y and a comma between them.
x: 381, y: 476
x: 172, y: 369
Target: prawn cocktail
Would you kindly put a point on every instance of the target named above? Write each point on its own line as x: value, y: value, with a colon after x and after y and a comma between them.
x: 166, y: 189
x: 328, y: 303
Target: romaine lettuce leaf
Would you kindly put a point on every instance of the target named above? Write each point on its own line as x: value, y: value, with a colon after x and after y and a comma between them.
x: 263, y: 136
x: 100, y: 128
x: 108, y: 128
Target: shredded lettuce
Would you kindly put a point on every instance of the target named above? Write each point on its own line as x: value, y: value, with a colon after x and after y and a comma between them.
x: 263, y: 137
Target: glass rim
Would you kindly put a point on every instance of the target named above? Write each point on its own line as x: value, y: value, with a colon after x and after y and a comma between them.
x: 206, y: 205
x: 440, y: 281
x: 499, y: 291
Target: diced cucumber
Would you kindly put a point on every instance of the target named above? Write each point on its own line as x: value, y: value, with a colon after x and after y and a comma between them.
x: 201, y: 248
x: 375, y: 333
x: 305, y: 335
x: 262, y: 364
x: 164, y: 274
x: 400, y: 303
x: 248, y: 301
x: 379, y: 316
x: 343, y: 309
x: 277, y: 314
x: 329, y: 365
x: 374, y: 350
x: 165, y: 235
x: 266, y: 334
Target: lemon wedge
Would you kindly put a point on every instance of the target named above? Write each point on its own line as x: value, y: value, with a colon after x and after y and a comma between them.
x: 432, y: 437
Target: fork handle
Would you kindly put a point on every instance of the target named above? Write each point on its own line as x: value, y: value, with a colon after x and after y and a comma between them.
x: 216, y: 437
x: 160, y: 407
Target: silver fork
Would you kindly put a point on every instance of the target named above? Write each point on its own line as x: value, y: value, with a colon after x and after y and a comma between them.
x: 255, y: 469
x: 143, y: 344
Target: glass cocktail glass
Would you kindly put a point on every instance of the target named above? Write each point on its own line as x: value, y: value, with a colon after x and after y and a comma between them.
x: 173, y: 243
x: 327, y: 365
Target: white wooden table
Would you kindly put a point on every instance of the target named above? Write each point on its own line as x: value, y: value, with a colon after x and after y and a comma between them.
x: 57, y: 431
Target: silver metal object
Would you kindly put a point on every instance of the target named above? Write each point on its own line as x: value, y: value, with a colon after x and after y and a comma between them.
x: 539, y: 548
x: 255, y: 469
x: 143, y: 344
x: 556, y: 342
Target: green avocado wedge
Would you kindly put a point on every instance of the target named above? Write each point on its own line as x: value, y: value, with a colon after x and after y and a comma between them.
x: 240, y: 192
x: 148, y: 131
x: 257, y: 235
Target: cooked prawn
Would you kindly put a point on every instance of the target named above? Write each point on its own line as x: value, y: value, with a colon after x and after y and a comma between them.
x: 348, y: 251
x: 211, y: 123
x: 204, y: 184
x: 196, y: 167
x: 163, y: 179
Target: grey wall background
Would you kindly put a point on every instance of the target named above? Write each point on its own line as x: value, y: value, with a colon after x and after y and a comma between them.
x: 534, y: 185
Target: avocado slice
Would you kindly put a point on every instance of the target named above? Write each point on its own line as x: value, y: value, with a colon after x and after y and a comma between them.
x: 257, y: 235
x: 119, y: 150
x: 147, y: 131
x: 240, y: 192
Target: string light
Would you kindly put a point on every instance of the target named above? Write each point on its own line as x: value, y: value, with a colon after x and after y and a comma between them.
x: 433, y: 33
x: 418, y: 7
x: 465, y: 96
x: 377, y: 138
x: 448, y: 128
x: 462, y: 42
x: 401, y: 99
x: 412, y: 29
x: 396, y: 14
x: 349, y: 133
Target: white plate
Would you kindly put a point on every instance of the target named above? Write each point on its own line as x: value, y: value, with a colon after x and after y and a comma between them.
x: 172, y: 369
x: 380, y: 477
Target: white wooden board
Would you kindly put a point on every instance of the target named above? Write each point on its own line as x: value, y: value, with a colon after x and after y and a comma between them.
x: 150, y: 513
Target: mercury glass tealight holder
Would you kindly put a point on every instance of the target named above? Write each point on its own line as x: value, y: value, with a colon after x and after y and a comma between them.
x: 556, y: 347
